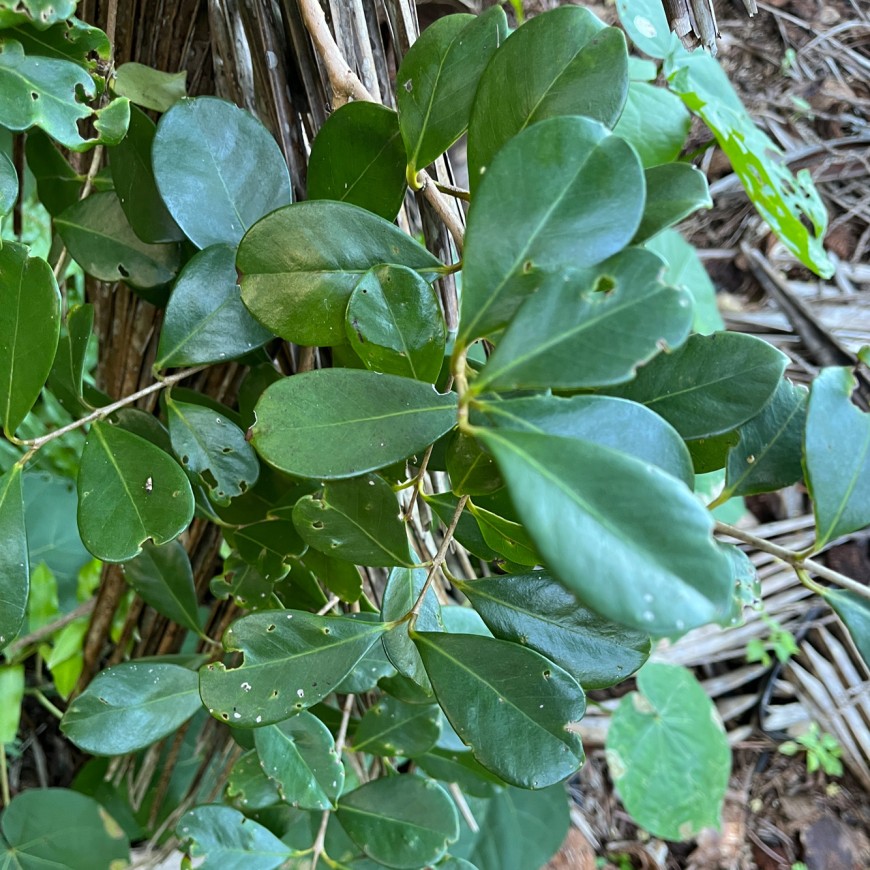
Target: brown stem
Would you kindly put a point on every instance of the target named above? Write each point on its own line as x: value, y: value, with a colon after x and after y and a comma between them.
x: 50, y: 628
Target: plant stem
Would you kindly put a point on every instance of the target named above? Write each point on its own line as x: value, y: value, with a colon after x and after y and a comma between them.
x: 418, y: 482
x: 50, y: 628
x: 450, y: 190
x: 55, y: 711
x: 4, y: 777
x: 443, y: 207
x: 796, y: 560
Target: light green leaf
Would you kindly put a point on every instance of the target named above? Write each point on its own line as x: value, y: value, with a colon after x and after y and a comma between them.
x: 66, y: 40
x: 392, y: 728
x: 335, y: 423
x: 129, y: 492
x: 595, y: 516
x: 580, y: 68
x: 300, y: 264
x: 400, y: 821
x: 536, y: 611
x: 43, y: 13
x: 293, y: 660
x: 654, y: 122
x: 710, y: 385
x: 508, y: 703
x: 673, y: 192
x: 299, y: 755
x: 229, y: 840
x: 645, y: 23
x: 594, y: 329
x: 471, y: 469
x: 218, y: 170
x: 506, y: 537
x: 11, y: 696
x: 205, y: 319
x: 356, y: 520
x: 854, y: 610
x: 163, y: 578
x: 358, y: 157
x: 65, y: 379
x: 837, y: 457
x: 395, y: 325
x: 582, y: 196
x: 668, y: 754
x: 29, y: 330
x: 130, y: 706
x: 438, y: 78
x: 149, y: 87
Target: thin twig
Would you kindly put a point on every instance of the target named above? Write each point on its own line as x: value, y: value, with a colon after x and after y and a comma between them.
x: 333, y: 600
x: 50, y: 628
x: 451, y: 190
x: 443, y: 207
x: 464, y: 809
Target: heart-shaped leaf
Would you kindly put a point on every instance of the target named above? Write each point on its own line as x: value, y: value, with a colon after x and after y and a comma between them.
x: 673, y: 192
x: 129, y: 492
x: 14, y: 559
x: 392, y: 728
x: 654, y: 122
x: 218, y: 170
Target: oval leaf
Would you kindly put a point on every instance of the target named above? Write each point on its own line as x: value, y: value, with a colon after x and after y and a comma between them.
x: 14, y: 559
x: 854, y: 610
x: 392, y: 728
x: 673, y: 192
x: 335, y: 423
x: 654, y: 122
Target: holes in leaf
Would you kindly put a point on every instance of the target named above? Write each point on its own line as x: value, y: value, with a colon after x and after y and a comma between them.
x: 408, y: 86
x: 527, y: 267
x: 270, y: 627
x: 185, y: 459
x: 225, y: 717
x: 605, y: 284
x: 209, y: 479
x: 226, y: 450
x: 34, y: 96
x: 326, y: 630
x: 122, y: 271
x: 274, y: 693
x: 547, y: 674
x: 317, y: 525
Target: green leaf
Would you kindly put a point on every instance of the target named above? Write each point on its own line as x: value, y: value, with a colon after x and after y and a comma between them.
x: 506, y: 537
x: 616, y: 423
x: 395, y: 325
x: 299, y: 754
x: 293, y: 660
x: 102, y: 242
x: 767, y: 457
x: 133, y: 178
x: 229, y: 840
x: 67, y: 40
x: 668, y: 754
x: 581, y: 192
x: 471, y: 469
x: 43, y: 13
x: 400, y: 821
x: 356, y: 520
x: 129, y: 492
x: 536, y: 611
x: 57, y: 183
x: 595, y: 516
x: 366, y: 673
x: 358, y: 157
x: 837, y: 457
x: 205, y: 320
x: 269, y: 546
x: 300, y: 264
x: 149, y: 87
x: 11, y: 696
x: 854, y: 610
x: 508, y: 703
x: 335, y: 423
x: 39, y: 826
x: 654, y: 122
x: 438, y: 78
x: 65, y: 379
x: 246, y: 585
x: 580, y: 68
x: 392, y: 728
x: 452, y: 766
x: 711, y: 454
x: 673, y: 192
x: 131, y: 706
x: 29, y: 330
x: 248, y: 787
x: 218, y: 170
x: 212, y: 449
x: 710, y: 385
x: 339, y: 577
x: 467, y: 530
x: 591, y: 330
x: 163, y: 578
x: 8, y: 185
x: 645, y: 22
x: 746, y: 585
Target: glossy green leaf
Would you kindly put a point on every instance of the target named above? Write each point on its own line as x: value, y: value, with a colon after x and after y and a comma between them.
x: 471, y: 469
x: 536, y: 611
x: 8, y: 185
x: 29, y: 330
x: 592, y: 330
x: 57, y: 183
x: 616, y: 423
x: 205, y: 319
x: 508, y: 703
x: 163, y: 578
x: 668, y: 754
x: 438, y: 78
x: 134, y: 183
x: 300, y: 264
x: 400, y: 821
x: 248, y: 787
x: 582, y: 195
x: 130, y: 706
x: 767, y: 457
x: 129, y: 492
x: 395, y: 325
x: 11, y: 696
x: 148, y: 87
x: 14, y: 559
x: 451, y: 765
x: 71, y: 39
x: 244, y: 583
x: 43, y: 13
x: 39, y: 825
x: 368, y: 671
x: 335, y: 423
x: 711, y: 454
x: 357, y: 520
x: 673, y: 192
x: 854, y: 610
x: 212, y: 449
x: 655, y: 122
x: 837, y: 456
x: 339, y: 577
x: 269, y: 545
x: 645, y: 23
x: 228, y: 840
x: 710, y: 385
x: 218, y: 170
x: 299, y: 755
x: 358, y: 157
x: 467, y: 532
x: 102, y: 242
x: 506, y: 537
x: 392, y: 728
x: 293, y: 660
x: 595, y: 516
x: 580, y: 68
x: 65, y: 379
